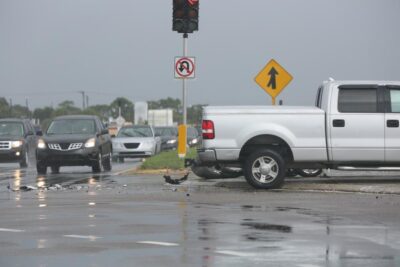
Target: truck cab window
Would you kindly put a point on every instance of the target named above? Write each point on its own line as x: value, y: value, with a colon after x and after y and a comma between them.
x: 358, y: 100
x: 394, y: 101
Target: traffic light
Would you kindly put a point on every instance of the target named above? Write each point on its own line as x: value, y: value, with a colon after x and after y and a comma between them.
x: 185, y: 16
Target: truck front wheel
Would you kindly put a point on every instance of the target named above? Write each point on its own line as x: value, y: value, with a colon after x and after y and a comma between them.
x: 265, y: 169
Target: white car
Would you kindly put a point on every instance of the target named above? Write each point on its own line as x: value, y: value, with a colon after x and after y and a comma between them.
x: 137, y: 141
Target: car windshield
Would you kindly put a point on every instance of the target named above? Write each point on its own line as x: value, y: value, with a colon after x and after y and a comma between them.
x: 135, y: 132
x: 166, y: 131
x: 72, y: 126
x: 11, y: 129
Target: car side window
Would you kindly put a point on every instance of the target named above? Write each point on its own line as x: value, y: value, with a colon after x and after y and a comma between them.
x: 358, y: 100
x: 394, y: 100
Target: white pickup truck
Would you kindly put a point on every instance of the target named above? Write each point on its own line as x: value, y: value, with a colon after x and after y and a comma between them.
x: 354, y: 125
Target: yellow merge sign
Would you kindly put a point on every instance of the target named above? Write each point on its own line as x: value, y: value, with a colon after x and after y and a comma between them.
x: 273, y: 78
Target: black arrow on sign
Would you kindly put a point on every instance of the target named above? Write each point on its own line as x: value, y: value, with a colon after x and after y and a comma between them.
x: 272, y: 80
x: 181, y: 67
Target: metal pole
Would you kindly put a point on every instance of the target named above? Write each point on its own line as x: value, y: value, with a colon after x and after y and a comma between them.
x: 184, y: 82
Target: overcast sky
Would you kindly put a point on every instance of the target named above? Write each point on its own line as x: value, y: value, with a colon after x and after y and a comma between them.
x: 51, y: 49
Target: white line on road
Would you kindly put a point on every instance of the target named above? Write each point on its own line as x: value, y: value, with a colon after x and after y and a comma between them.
x: 165, y: 244
x: 11, y: 230
x: 235, y: 253
x: 90, y: 237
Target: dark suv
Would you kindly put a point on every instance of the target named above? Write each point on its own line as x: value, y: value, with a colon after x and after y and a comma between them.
x: 17, y: 141
x: 79, y: 140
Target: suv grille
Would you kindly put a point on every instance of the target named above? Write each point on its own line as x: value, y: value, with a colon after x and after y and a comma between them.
x: 131, y: 145
x: 65, y: 146
x: 5, y: 145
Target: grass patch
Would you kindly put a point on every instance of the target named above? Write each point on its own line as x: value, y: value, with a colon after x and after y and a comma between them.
x: 167, y: 160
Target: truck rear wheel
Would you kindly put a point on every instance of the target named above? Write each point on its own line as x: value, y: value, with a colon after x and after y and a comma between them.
x: 265, y: 169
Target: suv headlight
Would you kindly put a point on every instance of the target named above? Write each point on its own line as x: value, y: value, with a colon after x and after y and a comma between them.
x: 16, y: 144
x: 194, y: 141
x: 90, y: 143
x: 41, y: 144
x: 173, y: 141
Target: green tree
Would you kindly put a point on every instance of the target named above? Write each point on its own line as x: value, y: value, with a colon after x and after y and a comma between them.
x: 126, y: 108
x: 67, y: 108
x: 103, y: 111
x: 4, y: 108
x: 194, y: 114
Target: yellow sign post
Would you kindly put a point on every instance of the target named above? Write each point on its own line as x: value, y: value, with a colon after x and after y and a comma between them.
x: 182, y: 139
x: 273, y: 78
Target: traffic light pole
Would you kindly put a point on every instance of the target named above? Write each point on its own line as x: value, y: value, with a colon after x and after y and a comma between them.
x: 184, y: 80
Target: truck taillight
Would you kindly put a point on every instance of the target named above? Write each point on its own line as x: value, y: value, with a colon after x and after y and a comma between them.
x: 208, y: 129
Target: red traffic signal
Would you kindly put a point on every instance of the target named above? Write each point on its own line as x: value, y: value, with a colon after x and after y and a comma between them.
x: 185, y: 18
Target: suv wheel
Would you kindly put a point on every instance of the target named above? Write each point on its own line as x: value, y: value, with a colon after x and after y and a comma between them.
x: 55, y: 169
x: 265, y: 169
x: 107, y: 163
x: 24, y: 162
x: 98, y: 165
x: 41, y: 169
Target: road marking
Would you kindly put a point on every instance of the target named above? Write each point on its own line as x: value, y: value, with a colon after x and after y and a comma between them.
x: 11, y: 230
x: 165, y: 244
x: 91, y: 237
x: 235, y: 253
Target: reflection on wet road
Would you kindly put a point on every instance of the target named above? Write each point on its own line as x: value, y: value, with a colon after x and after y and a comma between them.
x: 15, y: 179
x: 140, y: 221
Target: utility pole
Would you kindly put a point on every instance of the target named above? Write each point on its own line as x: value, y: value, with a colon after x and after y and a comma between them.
x: 11, y: 107
x: 83, y: 99
x: 27, y: 108
x: 87, y: 101
x: 184, y: 81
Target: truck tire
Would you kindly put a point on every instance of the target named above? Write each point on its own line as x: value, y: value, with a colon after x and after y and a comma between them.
x: 309, y: 172
x: 265, y: 169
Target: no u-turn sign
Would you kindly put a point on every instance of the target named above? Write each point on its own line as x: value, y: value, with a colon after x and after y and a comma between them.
x: 185, y: 67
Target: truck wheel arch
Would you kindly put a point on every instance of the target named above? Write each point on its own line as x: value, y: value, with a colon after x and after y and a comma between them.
x: 266, y: 141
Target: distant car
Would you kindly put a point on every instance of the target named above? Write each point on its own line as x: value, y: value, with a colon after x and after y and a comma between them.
x: 17, y: 141
x: 193, y: 137
x: 79, y: 140
x: 137, y: 141
x: 169, y: 137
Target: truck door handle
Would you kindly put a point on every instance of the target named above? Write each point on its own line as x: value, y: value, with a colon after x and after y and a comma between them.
x: 392, y: 123
x: 338, y: 123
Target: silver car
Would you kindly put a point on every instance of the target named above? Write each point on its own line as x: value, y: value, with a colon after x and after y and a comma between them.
x: 137, y: 141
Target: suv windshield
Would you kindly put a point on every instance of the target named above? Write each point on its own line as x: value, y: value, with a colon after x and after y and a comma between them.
x: 166, y: 131
x: 192, y: 132
x: 11, y: 129
x: 135, y: 132
x: 78, y: 126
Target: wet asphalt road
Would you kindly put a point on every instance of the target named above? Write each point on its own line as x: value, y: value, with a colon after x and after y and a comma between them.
x: 79, y: 219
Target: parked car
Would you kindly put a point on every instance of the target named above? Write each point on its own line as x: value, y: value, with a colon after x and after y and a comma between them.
x: 169, y: 137
x: 193, y: 137
x: 353, y: 126
x: 17, y: 141
x: 79, y: 140
x: 137, y: 141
